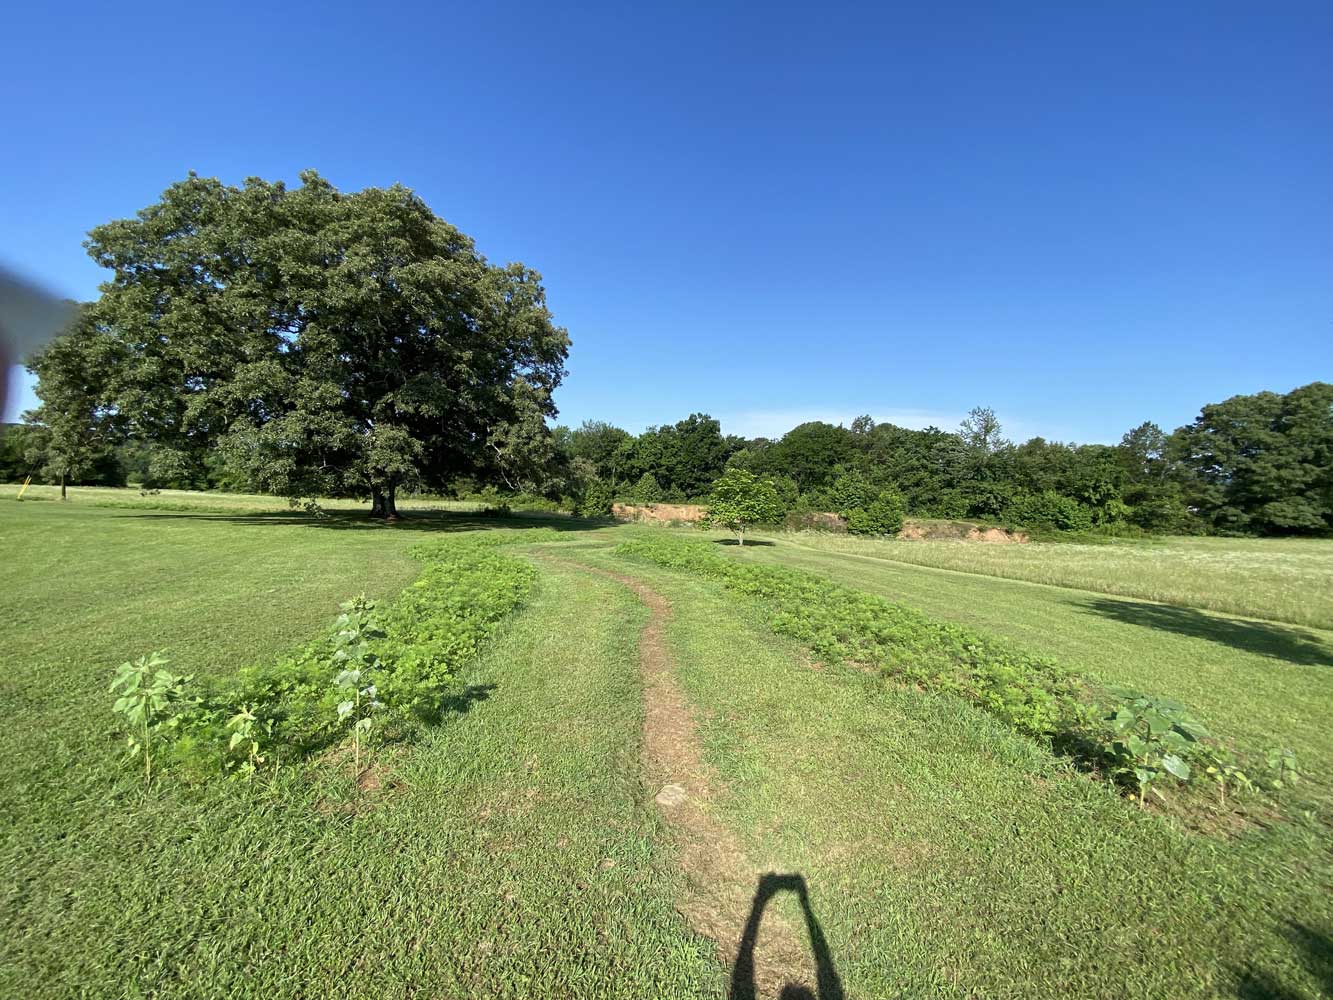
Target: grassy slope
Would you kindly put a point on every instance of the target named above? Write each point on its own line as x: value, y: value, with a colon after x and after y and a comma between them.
x: 948, y: 857
x: 1282, y: 579
x: 514, y: 857
x: 1263, y: 684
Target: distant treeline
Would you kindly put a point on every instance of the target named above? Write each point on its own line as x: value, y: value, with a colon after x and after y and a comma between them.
x: 1260, y: 464
x: 1252, y: 464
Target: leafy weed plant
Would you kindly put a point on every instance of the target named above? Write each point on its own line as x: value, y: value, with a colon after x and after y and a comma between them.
x: 400, y: 665
x: 150, y: 696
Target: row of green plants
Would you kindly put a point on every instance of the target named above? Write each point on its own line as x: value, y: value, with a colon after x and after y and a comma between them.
x: 378, y: 675
x: 1138, y: 741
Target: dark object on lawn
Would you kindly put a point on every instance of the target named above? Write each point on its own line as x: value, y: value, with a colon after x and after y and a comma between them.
x: 742, y: 974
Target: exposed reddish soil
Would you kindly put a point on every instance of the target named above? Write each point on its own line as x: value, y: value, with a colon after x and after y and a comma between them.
x: 660, y: 512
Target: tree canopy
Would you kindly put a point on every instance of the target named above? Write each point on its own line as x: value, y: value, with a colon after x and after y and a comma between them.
x: 741, y: 499
x: 325, y: 343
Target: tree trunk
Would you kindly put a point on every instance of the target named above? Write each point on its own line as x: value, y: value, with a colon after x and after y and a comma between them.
x: 62, y: 487
x: 383, y: 502
x: 740, y: 536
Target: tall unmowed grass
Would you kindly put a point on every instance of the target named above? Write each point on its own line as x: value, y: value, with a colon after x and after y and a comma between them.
x: 1280, y: 579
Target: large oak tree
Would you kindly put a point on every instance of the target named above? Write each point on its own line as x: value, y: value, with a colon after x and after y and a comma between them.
x: 325, y: 343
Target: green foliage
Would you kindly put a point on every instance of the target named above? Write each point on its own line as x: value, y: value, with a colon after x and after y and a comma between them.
x: 1049, y: 509
x: 645, y: 491
x: 1224, y: 770
x: 77, y: 428
x: 809, y: 454
x: 150, y: 697
x: 398, y: 665
x: 850, y: 491
x: 682, y: 458
x: 741, y: 499
x: 597, y: 499
x: 244, y: 757
x: 1264, y: 462
x: 1151, y: 737
x: 321, y: 343
x: 353, y: 682
x: 882, y: 516
x: 607, y: 448
x: 1282, y: 769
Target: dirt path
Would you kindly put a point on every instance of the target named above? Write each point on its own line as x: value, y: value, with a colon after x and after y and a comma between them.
x: 721, y: 882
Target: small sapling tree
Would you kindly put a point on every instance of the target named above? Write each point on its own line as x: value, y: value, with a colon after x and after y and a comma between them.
x: 740, y: 499
x: 148, y: 694
x: 356, y: 625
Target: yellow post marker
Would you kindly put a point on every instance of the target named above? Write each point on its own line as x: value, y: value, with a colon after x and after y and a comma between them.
x: 23, y: 487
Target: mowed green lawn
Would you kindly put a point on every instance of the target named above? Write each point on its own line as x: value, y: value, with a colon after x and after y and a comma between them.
x: 949, y: 857
x: 514, y: 852
x: 198, y: 501
x: 510, y: 854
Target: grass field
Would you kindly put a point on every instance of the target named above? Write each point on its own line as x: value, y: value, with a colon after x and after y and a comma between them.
x: 515, y: 850
x: 1262, y: 682
x: 188, y: 501
x: 1282, y: 579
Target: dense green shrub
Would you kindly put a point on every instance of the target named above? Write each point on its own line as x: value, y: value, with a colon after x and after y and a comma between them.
x: 850, y: 491
x: 882, y: 516
x: 645, y: 491
x: 1165, y: 514
x: 596, y: 500
x: 1048, y: 509
x: 949, y: 505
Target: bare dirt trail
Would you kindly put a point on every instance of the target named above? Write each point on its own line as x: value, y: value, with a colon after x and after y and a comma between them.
x: 721, y: 882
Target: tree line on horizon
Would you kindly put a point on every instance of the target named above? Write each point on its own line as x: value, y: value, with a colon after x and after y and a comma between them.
x: 1254, y: 464
x: 1260, y: 464
x: 307, y: 342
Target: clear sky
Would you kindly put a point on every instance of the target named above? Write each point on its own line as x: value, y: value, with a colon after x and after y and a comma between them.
x: 1082, y: 217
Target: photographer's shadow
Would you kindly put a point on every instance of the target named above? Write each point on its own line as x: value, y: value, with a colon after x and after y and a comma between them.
x: 743, y: 985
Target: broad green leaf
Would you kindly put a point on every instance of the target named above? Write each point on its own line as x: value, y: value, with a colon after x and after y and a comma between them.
x: 1176, y: 766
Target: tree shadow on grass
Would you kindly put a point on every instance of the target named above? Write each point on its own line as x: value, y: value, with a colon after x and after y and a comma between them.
x: 444, y: 521
x: 748, y: 542
x: 743, y: 985
x: 1316, y: 953
x: 1295, y: 645
x: 462, y: 702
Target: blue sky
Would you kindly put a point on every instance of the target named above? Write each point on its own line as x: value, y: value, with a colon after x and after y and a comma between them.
x: 1082, y: 217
